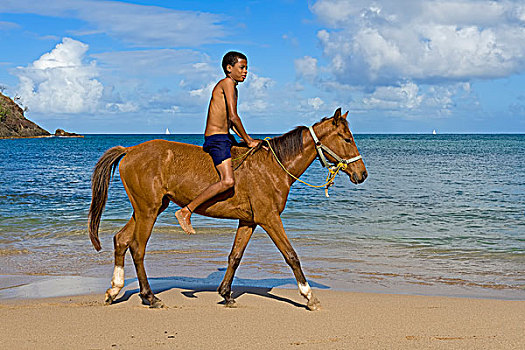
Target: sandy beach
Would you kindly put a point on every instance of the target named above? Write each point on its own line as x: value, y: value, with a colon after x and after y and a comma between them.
x: 264, y: 319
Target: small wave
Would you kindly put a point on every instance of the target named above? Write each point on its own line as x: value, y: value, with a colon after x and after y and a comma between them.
x: 185, y: 251
x: 25, y: 195
x: 5, y: 252
x: 431, y: 280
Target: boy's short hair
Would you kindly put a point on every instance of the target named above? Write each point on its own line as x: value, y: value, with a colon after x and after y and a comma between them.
x: 231, y: 58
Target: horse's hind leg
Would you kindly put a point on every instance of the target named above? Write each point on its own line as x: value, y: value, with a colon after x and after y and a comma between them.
x: 276, y: 232
x: 121, y: 242
x: 244, y: 233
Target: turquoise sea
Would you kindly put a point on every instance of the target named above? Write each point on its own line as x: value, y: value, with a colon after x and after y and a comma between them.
x: 438, y: 215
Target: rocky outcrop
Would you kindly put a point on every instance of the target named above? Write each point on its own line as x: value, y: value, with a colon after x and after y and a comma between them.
x: 62, y: 133
x: 13, y: 124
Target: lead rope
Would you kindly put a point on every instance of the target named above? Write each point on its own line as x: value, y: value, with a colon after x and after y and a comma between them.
x: 332, y: 171
x: 330, y: 178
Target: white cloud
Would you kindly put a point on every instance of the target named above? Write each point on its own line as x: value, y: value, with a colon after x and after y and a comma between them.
x: 61, y: 81
x: 204, y: 91
x: 126, y: 107
x: 291, y: 39
x: 8, y: 25
x: 256, y: 95
x: 385, y: 42
x: 253, y: 106
x: 258, y: 86
x: 315, y: 102
x: 186, y: 68
x: 306, y: 67
x: 405, y: 96
x: 156, y: 80
x: 139, y: 25
x: 409, y: 100
x: 172, y: 109
x: 156, y: 62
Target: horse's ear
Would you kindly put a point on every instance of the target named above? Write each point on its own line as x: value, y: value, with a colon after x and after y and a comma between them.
x: 337, y: 113
x: 338, y: 116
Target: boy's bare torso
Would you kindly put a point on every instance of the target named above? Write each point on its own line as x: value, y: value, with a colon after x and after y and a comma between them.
x: 218, y: 121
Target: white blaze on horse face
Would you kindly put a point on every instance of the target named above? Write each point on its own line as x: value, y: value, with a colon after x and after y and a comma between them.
x: 118, y: 277
x: 305, y: 290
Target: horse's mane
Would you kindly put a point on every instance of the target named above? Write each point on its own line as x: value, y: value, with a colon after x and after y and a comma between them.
x: 288, y: 145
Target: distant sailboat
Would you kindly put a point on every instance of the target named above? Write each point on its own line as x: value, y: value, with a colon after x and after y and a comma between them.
x: 167, y: 131
x: 433, y: 132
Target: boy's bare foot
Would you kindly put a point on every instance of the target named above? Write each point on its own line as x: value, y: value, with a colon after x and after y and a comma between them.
x: 183, y: 216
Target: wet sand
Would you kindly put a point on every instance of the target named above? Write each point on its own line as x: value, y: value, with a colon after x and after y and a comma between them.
x: 266, y: 318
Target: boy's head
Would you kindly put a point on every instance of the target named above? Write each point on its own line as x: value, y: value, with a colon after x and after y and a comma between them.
x: 231, y: 58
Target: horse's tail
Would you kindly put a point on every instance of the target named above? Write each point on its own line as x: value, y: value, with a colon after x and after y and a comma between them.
x: 102, y: 174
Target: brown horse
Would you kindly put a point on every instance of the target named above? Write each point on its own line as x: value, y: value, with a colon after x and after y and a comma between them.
x: 157, y: 172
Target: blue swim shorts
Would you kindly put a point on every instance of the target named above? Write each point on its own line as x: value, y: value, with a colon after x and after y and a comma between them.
x: 219, y: 147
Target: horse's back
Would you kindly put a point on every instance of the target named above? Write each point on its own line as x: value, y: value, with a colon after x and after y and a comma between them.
x: 162, y: 153
x: 180, y: 171
x: 153, y: 167
x: 178, y: 157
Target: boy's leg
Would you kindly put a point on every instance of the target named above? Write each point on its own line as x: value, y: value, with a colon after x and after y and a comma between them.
x: 226, y: 182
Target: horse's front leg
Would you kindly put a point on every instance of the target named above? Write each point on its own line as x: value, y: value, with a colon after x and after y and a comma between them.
x: 274, y: 228
x: 244, y: 233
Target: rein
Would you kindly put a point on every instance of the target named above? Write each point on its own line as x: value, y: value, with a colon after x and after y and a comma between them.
x: 333, y: 168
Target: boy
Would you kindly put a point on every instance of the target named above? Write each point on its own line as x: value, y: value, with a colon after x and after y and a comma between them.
x: 222, y: 116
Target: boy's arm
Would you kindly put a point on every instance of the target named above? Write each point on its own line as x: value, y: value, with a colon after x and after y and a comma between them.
x: 235, y: 131
x: 231, y: 104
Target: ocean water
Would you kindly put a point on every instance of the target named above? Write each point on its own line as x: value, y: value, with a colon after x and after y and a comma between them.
x: 438, y: 215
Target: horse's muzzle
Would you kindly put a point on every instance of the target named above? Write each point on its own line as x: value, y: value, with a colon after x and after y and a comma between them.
x: 358, y: 178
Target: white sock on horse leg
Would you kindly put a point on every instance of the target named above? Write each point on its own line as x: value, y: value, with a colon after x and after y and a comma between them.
x: 305, y: 290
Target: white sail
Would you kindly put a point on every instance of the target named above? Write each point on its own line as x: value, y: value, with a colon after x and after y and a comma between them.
x: 167, y: 131
x: 434, y: 132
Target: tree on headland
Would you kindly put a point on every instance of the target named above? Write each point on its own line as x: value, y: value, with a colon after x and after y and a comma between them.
x: 18, y: 101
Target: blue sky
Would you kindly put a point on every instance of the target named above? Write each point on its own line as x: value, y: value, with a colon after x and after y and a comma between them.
x: 411, y: 66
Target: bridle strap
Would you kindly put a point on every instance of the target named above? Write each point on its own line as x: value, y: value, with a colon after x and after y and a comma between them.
x: 322, y: 148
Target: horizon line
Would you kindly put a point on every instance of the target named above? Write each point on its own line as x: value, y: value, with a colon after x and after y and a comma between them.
x: 354, y: 133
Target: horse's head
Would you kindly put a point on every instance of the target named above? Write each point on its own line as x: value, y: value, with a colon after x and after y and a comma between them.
x: 335, y: 134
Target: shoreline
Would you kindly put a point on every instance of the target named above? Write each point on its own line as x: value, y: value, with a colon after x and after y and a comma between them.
x: 27, y: 287
x: 265, y: 318
x: 40, y: 137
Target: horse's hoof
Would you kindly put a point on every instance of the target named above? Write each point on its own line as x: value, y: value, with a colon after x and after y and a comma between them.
x: 157, y: 304
x: 314, y: 304
x: 232, y: 304
x: 108, y: 300
x: 153, y: 303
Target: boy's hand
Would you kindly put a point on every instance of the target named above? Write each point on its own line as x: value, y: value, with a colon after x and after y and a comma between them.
x: 254, y: 143
x: 257, y: 142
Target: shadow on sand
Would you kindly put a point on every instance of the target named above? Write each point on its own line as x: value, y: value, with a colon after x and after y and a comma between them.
x: 240, y: 286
